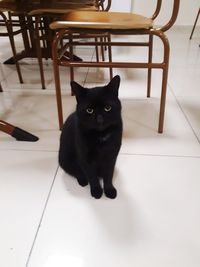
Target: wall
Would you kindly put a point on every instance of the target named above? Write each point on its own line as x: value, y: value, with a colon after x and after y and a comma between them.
x: 121, y: 5
x: 187, y: 13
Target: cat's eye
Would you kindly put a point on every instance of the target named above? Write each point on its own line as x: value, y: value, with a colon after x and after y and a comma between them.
x: 90, y: 110
x: 107, y: 108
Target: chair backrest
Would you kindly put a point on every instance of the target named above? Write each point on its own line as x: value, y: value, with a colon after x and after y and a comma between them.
x: 175, y: 10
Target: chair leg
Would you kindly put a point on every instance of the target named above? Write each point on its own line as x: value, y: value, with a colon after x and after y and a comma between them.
x: 149, y: 69
x: 49, y: 34
x: 195, y: 24
x: 164, y: 79
x: 22, y: 21
x: 110, y: 56
x: 38, y: 51
x: 12, y: 43
x: 96, y: 49
x: 31, y: 31
x: 71, y: 58
x: 163, y: 100
x: 105, y: 41
x: 1, y: 89
x: 102, y: 49
x: 58, y: 94
x: 43, y: 33
x: 57, y: 80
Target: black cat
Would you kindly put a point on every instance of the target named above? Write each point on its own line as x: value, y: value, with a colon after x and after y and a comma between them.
x: 91, y: 137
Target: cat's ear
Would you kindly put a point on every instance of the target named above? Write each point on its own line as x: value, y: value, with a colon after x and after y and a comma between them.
x: 114, y: 85
x: 77, y: 90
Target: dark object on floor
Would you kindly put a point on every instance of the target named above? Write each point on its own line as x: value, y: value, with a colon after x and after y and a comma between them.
x: 17, y: 133
x: 10, y: 61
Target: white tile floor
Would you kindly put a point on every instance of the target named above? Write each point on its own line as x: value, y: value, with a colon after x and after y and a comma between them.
x: 47, y: 220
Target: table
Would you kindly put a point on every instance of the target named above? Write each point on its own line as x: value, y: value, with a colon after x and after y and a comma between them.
x: 22, y: 9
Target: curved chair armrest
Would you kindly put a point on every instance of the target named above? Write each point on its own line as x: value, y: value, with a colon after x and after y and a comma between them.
x: 100, y: 4
x: 108, y: 5
x: 173, y: 18
x: 157, y: 11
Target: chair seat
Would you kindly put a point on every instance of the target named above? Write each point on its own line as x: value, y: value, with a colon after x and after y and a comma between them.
x: 102, y: 20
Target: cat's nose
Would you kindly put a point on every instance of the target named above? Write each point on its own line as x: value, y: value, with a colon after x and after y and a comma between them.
x: 100, y: 119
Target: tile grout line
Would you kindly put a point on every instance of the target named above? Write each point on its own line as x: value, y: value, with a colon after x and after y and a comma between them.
x: 29, y: 150
x: 180, y: 107
x: 120, y: 153
x: 158, y: 155
x: 84, y: 82
x: 42, y: 216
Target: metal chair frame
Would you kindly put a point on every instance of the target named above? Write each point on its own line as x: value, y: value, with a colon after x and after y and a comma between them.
x: 151, y: 32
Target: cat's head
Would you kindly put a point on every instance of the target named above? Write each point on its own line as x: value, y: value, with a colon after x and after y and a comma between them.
x: 98, y: 108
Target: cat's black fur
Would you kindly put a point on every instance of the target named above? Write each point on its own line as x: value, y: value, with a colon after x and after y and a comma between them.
x: 91, y: 137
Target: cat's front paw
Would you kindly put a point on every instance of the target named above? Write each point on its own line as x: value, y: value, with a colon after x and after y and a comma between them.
x: 110, y: 192
x: 96, y: 192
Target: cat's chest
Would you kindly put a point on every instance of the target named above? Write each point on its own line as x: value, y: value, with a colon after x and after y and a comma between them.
x: 100, y: 146
x: 102, y: 139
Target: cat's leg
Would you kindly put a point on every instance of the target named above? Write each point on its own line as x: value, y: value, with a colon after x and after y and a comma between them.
x: 91, y: 173
x: 106, y: 172
x: 95, y: 187
x: 80, y: 176
x: 77, y: 172
x: 69, y: 164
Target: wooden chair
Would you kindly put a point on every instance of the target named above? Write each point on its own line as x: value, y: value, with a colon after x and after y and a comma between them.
x: 13, y: 18
x: 48, y: 12
x: 114, y: 23
x: 6, y: 21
